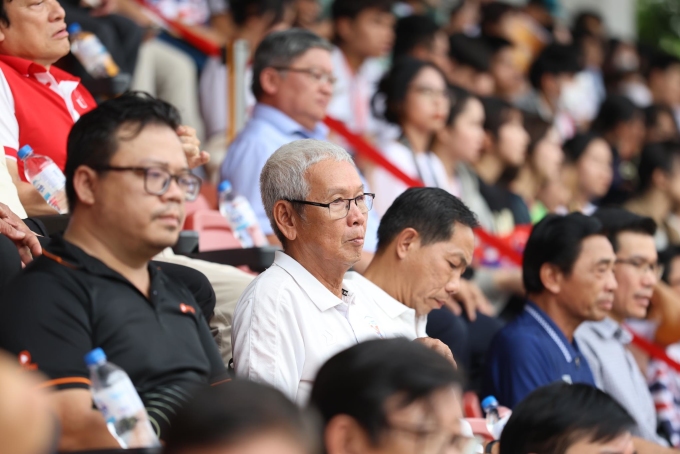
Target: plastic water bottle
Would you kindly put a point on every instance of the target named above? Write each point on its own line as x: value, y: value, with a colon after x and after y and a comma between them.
x: 46, y: 177
x: 116, y: 397
x: 241, y: 217
x: 494, y: 422
x: 91, y: 53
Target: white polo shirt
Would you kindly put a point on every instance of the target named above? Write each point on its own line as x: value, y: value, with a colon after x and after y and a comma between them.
x: 395, y: 319
x: 287, y: 325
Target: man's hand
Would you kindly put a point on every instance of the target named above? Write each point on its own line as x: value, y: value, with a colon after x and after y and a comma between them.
x: 191, y: 146
x: 471, y: 298
x: 14, y: 228
x: 438, y: 346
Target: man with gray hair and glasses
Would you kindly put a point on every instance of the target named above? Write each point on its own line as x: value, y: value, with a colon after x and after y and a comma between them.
x: 300, y: 312
x: 293, y: 84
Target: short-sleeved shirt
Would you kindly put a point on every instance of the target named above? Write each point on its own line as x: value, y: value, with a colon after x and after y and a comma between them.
x: 38, y: 107
x: 604, y: 345
x: 287, y: 324
x: 395, y: 318
x: 530, y: 352
x: 67, y: 303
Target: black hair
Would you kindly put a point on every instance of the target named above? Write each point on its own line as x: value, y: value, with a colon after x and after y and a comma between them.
x: 352, y: 8
x: 555, y: 59
x: 653, y: 112
x: 655, y: 156
x: 577, y: 145
x: 497, y: 112
x: 496, y: 43
x: 240, y: 409
x: 616, y: 220
x: 459, y: 100
x: 411, y: 32
x: 556, y: 240
x: 492, y: 13
x: 432, y: 212
x: 615, y: 109
x: 554, y: 417
x: 95, y: 138
x: 537, y: 128
x: 467, y: 51
x: 359, y: 381
x: 581, y: 21
x: 660, y: 61
x: 242, y: 10
x: 394, y: 86
x: 666, y: 258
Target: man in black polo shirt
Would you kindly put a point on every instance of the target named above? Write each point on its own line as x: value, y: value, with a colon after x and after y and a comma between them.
x: 127, y: 180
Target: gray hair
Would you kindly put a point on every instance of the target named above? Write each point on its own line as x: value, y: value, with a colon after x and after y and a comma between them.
x: 279, y: 49
x: 284, y: 177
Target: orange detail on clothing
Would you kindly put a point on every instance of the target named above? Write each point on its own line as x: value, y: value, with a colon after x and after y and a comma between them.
x: 64, y: 381
x: 186, y: 308
x: 25, y: 361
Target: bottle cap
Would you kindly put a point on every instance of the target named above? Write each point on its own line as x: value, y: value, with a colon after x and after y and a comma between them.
x: 74, y: 28
x: 24, y: 151
x: 96, y: 356
x: 489, y: 401
x: 224, y: 186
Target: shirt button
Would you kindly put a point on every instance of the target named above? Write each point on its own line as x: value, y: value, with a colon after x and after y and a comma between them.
x: 155, y: 292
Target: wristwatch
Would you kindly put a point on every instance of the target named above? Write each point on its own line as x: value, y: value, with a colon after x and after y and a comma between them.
x: 489, y: 447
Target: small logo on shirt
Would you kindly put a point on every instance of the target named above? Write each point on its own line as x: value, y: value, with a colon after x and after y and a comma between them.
x: 80, y: 100
x: 185, y: 308
x: 25, y: 361
x: 374, y: 325
x: 567, y: 379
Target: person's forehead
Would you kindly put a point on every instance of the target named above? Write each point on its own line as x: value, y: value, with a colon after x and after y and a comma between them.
x: 331, y: 175
x: 315, y: 56
x: 636, y: 243
x: 595, y: 248
x: 152, y: 143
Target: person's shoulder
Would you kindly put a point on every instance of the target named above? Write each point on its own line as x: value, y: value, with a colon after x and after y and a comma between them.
x: 270, y: 286
x: 518, y: 334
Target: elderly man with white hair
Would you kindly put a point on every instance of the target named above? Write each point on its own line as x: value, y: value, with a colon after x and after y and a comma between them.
x: 299, y: 312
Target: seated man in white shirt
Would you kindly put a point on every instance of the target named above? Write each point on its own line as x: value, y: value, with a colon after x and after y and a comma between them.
x: 299, y: 312
x: 425, y: 244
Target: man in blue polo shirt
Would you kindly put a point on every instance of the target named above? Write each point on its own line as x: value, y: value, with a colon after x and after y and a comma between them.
x: 568, y: 276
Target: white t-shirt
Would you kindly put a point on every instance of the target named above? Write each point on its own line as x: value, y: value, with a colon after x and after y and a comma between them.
x: 419, y: 166
x: 287, y: 325
x: 395, y: 319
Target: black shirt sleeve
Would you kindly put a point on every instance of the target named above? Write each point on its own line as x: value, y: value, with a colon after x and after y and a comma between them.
x: 45, y: 322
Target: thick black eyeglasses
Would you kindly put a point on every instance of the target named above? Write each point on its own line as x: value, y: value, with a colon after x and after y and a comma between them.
x: 339, y: 208
x: 157, y: 180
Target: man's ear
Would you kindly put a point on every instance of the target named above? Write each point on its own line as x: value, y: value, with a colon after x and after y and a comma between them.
x: 85, y: 183
x: 406, y: 241
x: 343, y: 435
x: 287, y: 220
x: 551, y: 277
x: 270, y: 79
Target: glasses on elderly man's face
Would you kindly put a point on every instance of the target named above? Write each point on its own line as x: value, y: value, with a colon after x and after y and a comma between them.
x: 642, y: 266
x: 318, y: 75
x: 339, y: 208
x: 157, y: 180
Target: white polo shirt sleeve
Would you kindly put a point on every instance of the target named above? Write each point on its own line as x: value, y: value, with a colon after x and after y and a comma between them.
x: 268, y: 345
x: 9, y: 138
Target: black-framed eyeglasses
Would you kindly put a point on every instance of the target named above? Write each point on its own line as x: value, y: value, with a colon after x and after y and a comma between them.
x: 316, y: 74
x: 157, y: 180
x: 642, y: 266
x: 339, y: 208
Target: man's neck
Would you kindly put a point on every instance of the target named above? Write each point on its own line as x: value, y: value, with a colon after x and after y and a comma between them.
x: 130, y: 265
x: 565, y: 322
x: 489, y: 168
x: 448, y: 161
x: 383, y: 273
x: 354, y: 60
x: 306, y: 122
x: 329, y: 274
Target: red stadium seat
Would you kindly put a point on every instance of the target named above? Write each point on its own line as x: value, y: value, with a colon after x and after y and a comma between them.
x: 214, y: 232
x: 471, y: 405
x: 201, y: 203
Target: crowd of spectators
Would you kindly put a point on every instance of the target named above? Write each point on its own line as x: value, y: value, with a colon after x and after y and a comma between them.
x: 541, y: 239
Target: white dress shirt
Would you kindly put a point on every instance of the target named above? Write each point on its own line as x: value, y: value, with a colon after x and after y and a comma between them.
x: 395, y: 319
x: 287, y: 325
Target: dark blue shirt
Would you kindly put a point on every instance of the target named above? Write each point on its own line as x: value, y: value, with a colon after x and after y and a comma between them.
x: 531, y: 352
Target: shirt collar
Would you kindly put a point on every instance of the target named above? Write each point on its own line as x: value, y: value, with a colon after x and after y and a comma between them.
x: 391, y: 307
x: 315, y: 290
x: 286, y: 124
x: 30, y: 68
x: 610, y: 329
x: 568, y: 349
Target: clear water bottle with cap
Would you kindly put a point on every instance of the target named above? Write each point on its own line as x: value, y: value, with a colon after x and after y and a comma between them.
x: 116, y: 397
x: 494, y: 422
x: 91, y: 53
x: 241, y: 217
x: 46, y: 177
